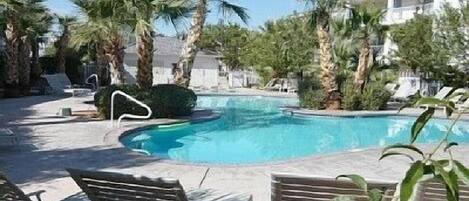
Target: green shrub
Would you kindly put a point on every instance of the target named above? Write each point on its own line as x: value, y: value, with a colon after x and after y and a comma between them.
x: 313, y: 99
x: 351, y: 100
x: 311, y: 94
x: 166, y: 101
x: 375, y: 96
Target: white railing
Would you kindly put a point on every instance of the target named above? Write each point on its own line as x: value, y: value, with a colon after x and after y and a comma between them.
x: 132, y: 116
x: 96, y: 84
x: 401, y: 14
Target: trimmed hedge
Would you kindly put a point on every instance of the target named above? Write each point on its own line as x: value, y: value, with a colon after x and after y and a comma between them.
x: 166, y: 101
x: 311, y: 94
x: 373, y: 97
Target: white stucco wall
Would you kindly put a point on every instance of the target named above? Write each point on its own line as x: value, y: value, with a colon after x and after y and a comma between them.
x: 204, y: 72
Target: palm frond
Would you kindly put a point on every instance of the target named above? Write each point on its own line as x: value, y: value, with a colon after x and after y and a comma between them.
x: 227, y: 9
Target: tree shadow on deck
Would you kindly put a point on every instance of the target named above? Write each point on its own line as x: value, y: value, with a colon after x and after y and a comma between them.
x: 40, y: 166
x: 197, y: 194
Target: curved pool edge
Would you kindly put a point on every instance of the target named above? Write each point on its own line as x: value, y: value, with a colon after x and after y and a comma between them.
x: 112, y: 137
x: 351, y: 114
x: 412, y: 112
x: 117, y: 134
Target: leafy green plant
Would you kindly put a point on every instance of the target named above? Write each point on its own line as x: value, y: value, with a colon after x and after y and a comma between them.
x: 446, y: 170
x: 165, y: 101
x: 351, y: 100
x: 311, y: 94
x: 375, y: 96
x: 372, y: 194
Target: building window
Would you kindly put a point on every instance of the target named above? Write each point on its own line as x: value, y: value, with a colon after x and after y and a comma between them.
x: 397, y: 3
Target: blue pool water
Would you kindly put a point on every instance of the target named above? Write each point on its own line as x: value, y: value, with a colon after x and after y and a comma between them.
x: 254, y: 130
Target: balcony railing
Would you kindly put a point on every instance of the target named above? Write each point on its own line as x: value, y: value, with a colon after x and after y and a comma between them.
x: 402, y: 14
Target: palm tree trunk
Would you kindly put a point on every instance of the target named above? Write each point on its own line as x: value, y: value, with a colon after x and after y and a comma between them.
x: 24, y: 63
x: 182, y: 76
x: 363, y: 63
x: 35, y: 68
x: 116, y: 58
x: 328, y: 67
x: 145, y: 60
x: 102, y: 64
x: 63, y: 43
x: 12, y: 47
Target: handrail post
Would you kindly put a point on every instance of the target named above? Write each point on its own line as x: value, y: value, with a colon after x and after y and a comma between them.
x: 118, y: 92
x: 95, y: 86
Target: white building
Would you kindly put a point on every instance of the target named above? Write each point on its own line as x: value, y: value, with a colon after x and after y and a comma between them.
x: 399, y: 11
x: 204, y: 73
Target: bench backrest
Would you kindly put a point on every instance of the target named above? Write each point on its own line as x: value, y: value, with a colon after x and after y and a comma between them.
x: 304, y: 188
x: 436, y: 191
x: 104, y: 186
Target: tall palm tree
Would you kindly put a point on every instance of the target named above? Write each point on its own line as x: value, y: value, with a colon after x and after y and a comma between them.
x: 33, y: 23
x: 103, y: 27
x: 12, y: 10
x: 62, y: 44
x: 143, y: 14
x: 182, y: 76
x: 40, y: 27
x: 321, y: 18
x: 367, y: 19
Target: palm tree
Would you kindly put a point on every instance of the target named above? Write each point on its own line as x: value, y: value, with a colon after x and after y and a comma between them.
x: 182, y: 76
x: 62, y: 44
x: 321, y: 17
x: 38, y: 30
x: 12, y: 10
x: 143, y: 14
x: 104, y: 28
x: 33, y: 23
x: 367, y: 20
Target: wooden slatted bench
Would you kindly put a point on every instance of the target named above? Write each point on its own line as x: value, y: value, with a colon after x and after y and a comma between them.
x: 103, y: 186
x: 286, y: 187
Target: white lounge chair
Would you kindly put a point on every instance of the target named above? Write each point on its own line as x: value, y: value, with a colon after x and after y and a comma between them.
x: 456, y: 98
x: 391, y: 87
x: 463, y: 106
x: 443, y: 93
x: 275, y: 84
x: 62, y: 85
x: 292, y: 86
x: 299, y: 188
x: 404, y: 92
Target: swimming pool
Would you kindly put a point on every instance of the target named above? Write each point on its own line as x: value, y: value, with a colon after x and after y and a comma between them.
x: 254, y: 130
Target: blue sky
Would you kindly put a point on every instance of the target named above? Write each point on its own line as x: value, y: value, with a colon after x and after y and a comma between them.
x: 259, y: 10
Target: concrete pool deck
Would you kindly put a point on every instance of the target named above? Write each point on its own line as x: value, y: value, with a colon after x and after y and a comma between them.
x: 50, y: 144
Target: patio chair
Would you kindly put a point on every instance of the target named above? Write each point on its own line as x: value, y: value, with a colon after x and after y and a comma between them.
x: 443, y: 93
x: 298, y: 188
x: 391, y: 87
x: 404, y: 92
x: 10, y: 192
x: 60, y: 84
x: 292, y: 86
x: 106, y: 186
x: 463, y: 106
x: 436, y: 191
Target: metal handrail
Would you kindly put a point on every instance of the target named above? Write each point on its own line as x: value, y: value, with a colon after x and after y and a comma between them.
x: 132, y: 116
x: 96, y: 84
